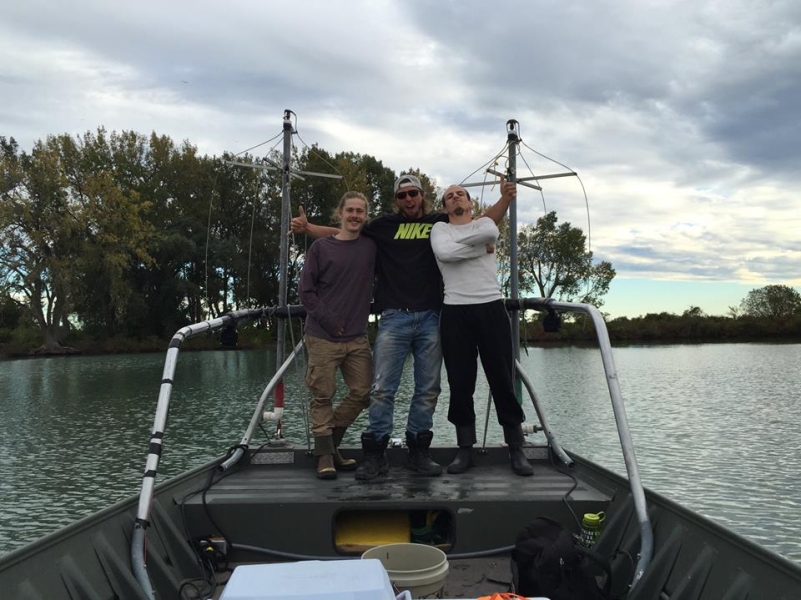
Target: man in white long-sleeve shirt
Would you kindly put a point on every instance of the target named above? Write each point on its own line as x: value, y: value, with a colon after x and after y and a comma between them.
x: 474, y: 322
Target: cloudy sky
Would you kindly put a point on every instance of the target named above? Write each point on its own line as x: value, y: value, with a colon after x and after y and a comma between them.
x: 682, y: 118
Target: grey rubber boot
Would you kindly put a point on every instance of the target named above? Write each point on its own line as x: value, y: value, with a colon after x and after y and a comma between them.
x: 513, y: 436
x: 465, y: 438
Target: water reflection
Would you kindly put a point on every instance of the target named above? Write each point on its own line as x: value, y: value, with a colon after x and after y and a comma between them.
x: 711, y: 423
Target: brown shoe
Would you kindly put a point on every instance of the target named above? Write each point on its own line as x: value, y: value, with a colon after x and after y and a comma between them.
x: 344, y: 464
x: 325, y: 467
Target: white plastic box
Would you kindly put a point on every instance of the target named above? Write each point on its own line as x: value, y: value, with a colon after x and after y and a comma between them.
x: 310, y: 580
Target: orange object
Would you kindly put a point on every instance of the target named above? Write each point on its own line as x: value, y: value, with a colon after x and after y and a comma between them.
x: 503, y: 596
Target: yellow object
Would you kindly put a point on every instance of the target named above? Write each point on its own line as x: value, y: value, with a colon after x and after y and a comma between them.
x: 593, y: 520
x: 360, y: 531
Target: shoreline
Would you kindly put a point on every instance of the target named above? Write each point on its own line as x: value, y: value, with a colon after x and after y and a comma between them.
x: 148, y: 348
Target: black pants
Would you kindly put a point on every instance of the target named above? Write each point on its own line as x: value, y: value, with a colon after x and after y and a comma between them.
x: 470, y: 330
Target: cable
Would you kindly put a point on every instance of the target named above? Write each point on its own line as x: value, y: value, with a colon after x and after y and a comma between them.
x: 294, y: 556
x: 208, y: 224
x: 322, y: 158
x: 492, y: 160
x: 583, y: 190
x: 208, y: 235
x: 259, y: 145
x: 289, y: 555
x: 544, y: 208
x: 250, y: 251
x: 547, y: 157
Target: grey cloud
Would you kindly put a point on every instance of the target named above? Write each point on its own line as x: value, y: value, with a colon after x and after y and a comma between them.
x: 728, y: 71
x: 682, y: 111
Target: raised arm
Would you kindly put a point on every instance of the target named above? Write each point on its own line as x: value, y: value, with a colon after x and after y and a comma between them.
x: 300, y: 224
x: 497, y: 211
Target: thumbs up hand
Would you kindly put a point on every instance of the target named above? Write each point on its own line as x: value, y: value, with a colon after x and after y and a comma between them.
x: 300, y: 223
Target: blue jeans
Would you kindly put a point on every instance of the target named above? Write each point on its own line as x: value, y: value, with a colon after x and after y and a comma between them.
x: 399, y: 333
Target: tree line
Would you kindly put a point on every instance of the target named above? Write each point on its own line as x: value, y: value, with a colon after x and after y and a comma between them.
x: 122, y: 235
x: 770, y: 313
x: 125, y: 236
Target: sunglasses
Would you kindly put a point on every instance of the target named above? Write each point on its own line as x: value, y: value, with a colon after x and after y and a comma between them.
x: 402, y: 195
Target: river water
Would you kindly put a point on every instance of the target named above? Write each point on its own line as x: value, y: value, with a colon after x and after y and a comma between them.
x: 713, y: 426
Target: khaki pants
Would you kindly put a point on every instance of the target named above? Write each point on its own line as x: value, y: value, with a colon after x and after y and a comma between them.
x: 355, y: 359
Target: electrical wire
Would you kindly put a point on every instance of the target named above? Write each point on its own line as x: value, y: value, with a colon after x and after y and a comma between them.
x: 260, y: 145
x: 490, y: 161
x: 584, y: 191
x: 208, y: 225
x: 208, y: 236
x: 322, y: 158
x: 544, y: 208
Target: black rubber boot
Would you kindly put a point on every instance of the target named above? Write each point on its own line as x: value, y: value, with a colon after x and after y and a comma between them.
x: 419, y: 460
x: 375, y: 460
x: 513, y: 436
x: 341, y: 463
x: 465, y: 438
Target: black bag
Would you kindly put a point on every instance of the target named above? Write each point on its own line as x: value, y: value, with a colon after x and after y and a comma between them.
x: 548, y: 560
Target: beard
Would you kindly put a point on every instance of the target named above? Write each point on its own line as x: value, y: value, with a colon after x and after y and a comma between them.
x: 459, y: 211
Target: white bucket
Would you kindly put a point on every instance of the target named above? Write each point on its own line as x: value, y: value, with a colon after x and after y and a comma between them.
x: 419, y: 568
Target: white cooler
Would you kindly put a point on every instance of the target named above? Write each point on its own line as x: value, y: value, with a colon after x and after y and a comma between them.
x: 313, y: 580
x: 310, y: 580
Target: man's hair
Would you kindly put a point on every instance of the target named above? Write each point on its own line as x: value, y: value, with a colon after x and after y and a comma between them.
x: 348, y: 196
x: 464, y: 189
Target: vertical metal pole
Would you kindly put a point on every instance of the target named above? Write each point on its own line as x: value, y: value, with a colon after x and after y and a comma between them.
x: 286, y: 210
x: 512, y: 131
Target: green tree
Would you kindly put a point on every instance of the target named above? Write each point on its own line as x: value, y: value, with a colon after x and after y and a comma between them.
x: 107, y: 180
x: 71, y: 228
x: 178, y: 185
x: 693, y: 312
x: 319, y: 196
x: 40, y: 235
x: 553, y: 261
x: 10, y: 312
x: 772, y: 301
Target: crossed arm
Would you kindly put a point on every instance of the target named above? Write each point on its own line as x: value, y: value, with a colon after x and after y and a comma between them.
x: 452, y: 245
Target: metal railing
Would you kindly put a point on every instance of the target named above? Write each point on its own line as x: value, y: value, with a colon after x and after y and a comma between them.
x: 142, y: 521
x: 627, y: 446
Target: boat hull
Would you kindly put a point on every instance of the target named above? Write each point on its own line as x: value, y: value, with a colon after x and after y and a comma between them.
x: 272, y: 508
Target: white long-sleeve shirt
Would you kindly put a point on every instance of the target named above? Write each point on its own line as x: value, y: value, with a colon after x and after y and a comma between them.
x: 469, y: 272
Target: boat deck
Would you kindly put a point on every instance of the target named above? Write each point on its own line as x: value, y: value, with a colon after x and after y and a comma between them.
x: 274, y: 508
x: 263, y: 502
